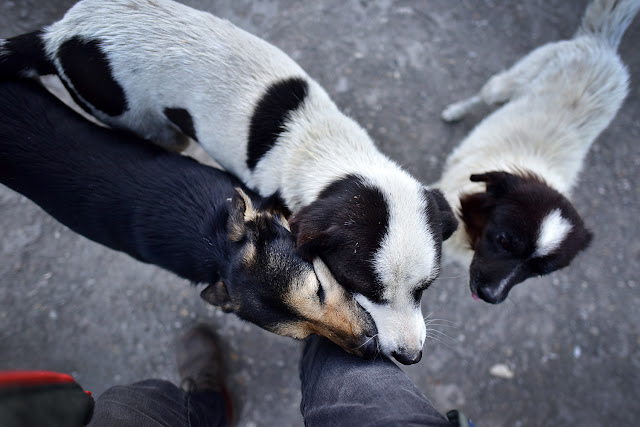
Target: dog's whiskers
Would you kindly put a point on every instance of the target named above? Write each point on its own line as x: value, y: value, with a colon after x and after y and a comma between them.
x: 433, y: 322
x: 437, y: 335
x: 437, y: 338
x: 451, y: 277
x: 367, y: 342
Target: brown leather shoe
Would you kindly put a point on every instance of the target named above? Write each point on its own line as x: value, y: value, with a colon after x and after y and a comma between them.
x: 200, y: 364
x: 199, y: 360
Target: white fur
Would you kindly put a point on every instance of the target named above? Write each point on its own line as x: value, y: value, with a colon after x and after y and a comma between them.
x: 165, y: 54
x: 553, y: 230
x: 396, y: 325
x: 559, y: 98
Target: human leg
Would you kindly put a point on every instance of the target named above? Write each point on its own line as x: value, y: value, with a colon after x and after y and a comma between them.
x: 153, y: 403
x: 342, y: 389
x: 201, y: 401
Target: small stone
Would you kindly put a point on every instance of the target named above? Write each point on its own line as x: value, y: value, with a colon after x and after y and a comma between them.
x: 501, y: 370
x: 577, y: 352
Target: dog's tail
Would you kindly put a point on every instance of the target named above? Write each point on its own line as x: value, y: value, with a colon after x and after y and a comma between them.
x: 24, y: 56
x: 608, y: 20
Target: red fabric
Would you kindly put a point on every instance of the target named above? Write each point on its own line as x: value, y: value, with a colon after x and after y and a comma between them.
x: 33, y: 378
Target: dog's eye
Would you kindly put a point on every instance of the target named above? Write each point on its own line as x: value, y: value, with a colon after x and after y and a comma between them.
x: 320, y: 293
x: 503, y: 241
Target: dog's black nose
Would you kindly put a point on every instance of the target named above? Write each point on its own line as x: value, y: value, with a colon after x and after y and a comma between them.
x: 407, y: 358
x: 487, y: 295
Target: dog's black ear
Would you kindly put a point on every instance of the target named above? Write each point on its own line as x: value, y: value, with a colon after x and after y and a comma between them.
x: 581, y: 237
x: 275, y: 205
x: 240, y: 211
x: 448, y: 221
x: 310, y: 233
x: 498, y: 183
x: 217, y: 294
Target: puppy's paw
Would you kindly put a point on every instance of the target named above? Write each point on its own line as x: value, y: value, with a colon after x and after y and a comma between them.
x: 458, y: 110
x: 454, y: 112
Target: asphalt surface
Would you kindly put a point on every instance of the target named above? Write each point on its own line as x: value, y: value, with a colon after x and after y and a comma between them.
x: 569, y: 342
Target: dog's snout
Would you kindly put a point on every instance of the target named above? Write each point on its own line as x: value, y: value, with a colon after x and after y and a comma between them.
x: 406, y: 357
x: 369, y: 348
x: 489, y: 295
x: 486, y: 295
x: 484, y: 291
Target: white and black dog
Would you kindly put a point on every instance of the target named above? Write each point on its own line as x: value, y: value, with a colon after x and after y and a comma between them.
x: 510, y: 179
x: 164, y: 70
x: 169, y: 210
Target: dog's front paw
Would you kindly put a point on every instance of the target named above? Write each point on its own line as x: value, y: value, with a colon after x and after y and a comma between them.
x: 458, y: 110
x: 454, y: 112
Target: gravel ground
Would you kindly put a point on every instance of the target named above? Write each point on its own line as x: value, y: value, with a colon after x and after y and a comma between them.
x: 571, y: 340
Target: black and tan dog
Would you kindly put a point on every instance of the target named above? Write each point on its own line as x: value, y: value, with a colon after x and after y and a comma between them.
x: 169, y: 210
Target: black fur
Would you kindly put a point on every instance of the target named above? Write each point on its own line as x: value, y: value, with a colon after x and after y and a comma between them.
x: 270, y: 116
x: 88, y: 70
x: 345, y: 226
x: 32, y: 56
x: 441, y: 219
x: 503, y: 225
x: 181, y: 118
x: 158, y: 207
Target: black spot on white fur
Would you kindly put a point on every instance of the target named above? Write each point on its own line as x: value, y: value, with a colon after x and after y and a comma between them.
x: 345, y: 227
x: 270, y: 116
x: 181, y: 118
x: 22, y: 54
x: 503, y: 225
x: 87, y: 68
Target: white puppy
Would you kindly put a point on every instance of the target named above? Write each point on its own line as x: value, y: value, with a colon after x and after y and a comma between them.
x: 510, y: 179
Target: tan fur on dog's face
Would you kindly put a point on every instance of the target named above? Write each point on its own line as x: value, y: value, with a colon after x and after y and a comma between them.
x: 336, y: 315
x: 268, y: 283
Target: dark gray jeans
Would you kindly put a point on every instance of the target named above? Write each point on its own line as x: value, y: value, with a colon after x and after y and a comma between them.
x: 337, y: 389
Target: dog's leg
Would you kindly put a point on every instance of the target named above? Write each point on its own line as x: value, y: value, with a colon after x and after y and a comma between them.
x: 24, y: 56
x: 499, y: 89
x: 503, y: 86
x: 458, y: 110
x: 175, y: 141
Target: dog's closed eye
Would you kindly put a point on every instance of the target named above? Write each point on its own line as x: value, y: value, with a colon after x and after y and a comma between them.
x: 320, y: 293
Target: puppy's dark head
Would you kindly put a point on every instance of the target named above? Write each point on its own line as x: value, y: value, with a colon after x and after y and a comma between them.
x: 381, y: 240
x: 519, y: 228
x: 269, y: 284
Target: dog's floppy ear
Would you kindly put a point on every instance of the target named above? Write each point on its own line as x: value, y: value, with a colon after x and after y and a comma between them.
x: 309, y: 231
x: 448, y: 221
x: 274, y: 204
x: 240, y: 211
x: 498, y: 183
x: 218, y: 295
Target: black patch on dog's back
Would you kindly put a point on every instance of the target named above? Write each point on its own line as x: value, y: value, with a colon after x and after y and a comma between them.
x: 345, y: 226
x: 270, y: 115
x: 88, y: 70
x: 23, y: 53
x: 181, y: 118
